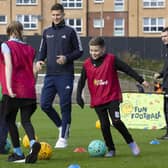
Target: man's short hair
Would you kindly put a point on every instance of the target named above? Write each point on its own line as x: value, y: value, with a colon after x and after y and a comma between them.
x: 57, y: 6
x: 165, y: 29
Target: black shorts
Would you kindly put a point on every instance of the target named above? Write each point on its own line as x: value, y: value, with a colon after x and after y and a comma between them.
x: 9, y: 103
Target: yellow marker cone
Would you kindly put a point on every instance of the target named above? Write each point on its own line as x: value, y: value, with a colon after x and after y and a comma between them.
x: 98, y: 124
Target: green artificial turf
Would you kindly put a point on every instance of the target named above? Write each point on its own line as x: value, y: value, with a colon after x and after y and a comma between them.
x: 83, y: 131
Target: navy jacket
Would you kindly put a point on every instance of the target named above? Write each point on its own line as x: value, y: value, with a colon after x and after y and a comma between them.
x: 60, y: 40
x: 164, y: 72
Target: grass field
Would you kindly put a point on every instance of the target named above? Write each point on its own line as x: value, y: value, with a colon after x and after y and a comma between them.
x: 82, y: 132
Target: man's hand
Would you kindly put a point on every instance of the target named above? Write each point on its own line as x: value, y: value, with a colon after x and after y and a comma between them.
x: 80, y: 101
x: 39, y: 65
x: 61, y: 59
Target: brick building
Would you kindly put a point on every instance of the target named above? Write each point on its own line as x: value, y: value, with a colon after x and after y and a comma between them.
x: 127, y: 18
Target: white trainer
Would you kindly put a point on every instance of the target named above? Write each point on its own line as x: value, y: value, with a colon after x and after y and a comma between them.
x: 61, y: 143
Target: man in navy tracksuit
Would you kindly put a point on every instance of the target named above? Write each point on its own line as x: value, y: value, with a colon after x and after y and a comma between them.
x: 60, y: 46
x: 164, y: 75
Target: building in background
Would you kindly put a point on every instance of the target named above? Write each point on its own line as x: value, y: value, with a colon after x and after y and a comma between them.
x: 124, y: 18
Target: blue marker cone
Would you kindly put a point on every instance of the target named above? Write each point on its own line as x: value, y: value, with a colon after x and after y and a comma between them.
x: 154, y: 142
x: 74, y: 166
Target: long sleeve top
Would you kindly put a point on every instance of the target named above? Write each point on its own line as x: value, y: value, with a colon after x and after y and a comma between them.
x: 60, y: 40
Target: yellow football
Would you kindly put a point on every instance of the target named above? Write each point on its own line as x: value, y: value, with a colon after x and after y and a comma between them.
x: 45, y: 151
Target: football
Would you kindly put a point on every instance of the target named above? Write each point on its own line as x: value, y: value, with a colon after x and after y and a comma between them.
x: 97, y: 148
x: 45, y: 151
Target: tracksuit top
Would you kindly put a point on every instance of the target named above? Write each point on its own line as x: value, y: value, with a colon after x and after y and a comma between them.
x: 164, y: 71
x: 60, y: 40
x: 23, y: 80
x: 103, y: 81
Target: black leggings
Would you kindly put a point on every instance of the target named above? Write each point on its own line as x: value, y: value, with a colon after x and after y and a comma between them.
x: 3, y: 129
x: 166, y: 110
x: 11, y: 108
x: 113, y: 112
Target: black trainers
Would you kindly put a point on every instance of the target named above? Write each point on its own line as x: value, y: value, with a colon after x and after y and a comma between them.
x: 33, y: 156
x: 16, y: 158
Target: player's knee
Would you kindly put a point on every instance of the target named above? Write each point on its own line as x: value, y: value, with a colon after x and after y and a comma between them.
x: 116, y: 123
x: 45, y: 107
x: 104, y: 126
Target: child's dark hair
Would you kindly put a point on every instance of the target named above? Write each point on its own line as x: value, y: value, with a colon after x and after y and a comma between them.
x: 97, y: 41
x: 57, y: 6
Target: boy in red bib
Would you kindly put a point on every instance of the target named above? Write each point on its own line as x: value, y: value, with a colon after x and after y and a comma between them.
x: 100, y: 71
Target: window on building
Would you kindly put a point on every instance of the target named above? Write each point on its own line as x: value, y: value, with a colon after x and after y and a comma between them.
x: 72, y: 3
x: 153, y: 25
x: 30, y: 22
x: 98, y: 23
x: 119, y: 27
x: 154, y: 3
x: 26, y: 2
x: 118, y: 5
x: 98, y: 1
x: 75, y: 23
x: 3, y: 19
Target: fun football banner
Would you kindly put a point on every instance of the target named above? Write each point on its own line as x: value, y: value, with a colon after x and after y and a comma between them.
x: 142, y: 110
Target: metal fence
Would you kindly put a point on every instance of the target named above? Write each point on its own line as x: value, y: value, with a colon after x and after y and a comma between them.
x: 150, y: 48
x: 146, y: 48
